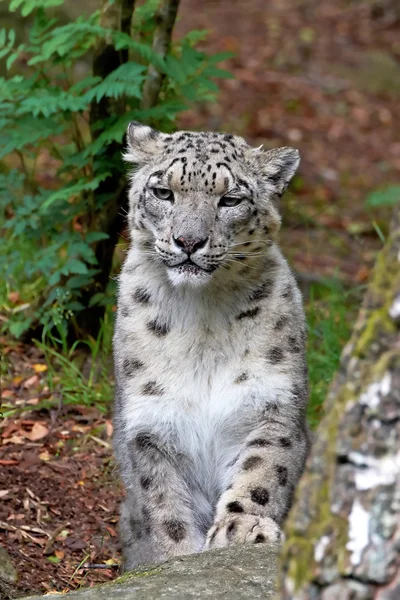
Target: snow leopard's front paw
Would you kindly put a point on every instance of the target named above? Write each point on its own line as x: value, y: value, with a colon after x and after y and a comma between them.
x: 234, y: 529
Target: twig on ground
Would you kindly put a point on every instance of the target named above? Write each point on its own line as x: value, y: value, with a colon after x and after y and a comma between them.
x: 23, y: 528
x: 99, y: 566
x: 101, y: 442
x: 83, y: 561
x: 24, y: 533
x: 48, y: 549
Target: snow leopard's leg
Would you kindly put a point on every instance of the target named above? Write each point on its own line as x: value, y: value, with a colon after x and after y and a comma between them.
x: 157, y: 517
x: 260, y: 494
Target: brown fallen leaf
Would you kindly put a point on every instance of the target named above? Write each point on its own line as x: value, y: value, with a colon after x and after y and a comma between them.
x: 9, y: 429
x: 4, y: 493
x: 7, y: 463
x: 14, y: 439
x: 111, y: 531
x: 28, y: 383
x: 75, y: 544
x: 33, y: 401
x: 37, y: 432
x: 81, y: 428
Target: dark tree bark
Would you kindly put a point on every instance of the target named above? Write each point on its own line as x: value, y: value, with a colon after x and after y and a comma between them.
x: 109, y: 219
x: 344, y: 530
x: 165, y: 18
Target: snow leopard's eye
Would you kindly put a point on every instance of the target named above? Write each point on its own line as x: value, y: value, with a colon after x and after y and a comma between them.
x: 163, y: 194
x: 230, y: 201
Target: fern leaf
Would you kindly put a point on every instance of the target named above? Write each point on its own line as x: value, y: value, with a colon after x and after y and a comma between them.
x: 72, y: 190
x: 125, y: 80
x: 27, y: 6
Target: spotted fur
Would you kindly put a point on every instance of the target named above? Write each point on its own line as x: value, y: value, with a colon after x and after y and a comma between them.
x: 209, y: 346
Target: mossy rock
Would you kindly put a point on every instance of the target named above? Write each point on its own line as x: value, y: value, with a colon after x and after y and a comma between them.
x: 245, y: 572
x: 8, y: 577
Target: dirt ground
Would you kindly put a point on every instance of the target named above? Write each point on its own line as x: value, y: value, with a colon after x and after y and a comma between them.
x: 58, y: 489
x: 322, y: 76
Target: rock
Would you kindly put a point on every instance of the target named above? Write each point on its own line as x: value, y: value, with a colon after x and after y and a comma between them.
x: 237, y: 573
x: 344, y: 528
x: 8, y: 577
x: 7, y: 572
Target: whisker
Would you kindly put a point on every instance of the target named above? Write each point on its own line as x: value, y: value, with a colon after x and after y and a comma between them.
x: 149, y: 253
x: 232, y: 260
x: 224, y: 267
x: 237, y: 254
x: 251, y: 241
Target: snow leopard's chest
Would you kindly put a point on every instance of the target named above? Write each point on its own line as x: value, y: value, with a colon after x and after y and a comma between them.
x: 206, y: 393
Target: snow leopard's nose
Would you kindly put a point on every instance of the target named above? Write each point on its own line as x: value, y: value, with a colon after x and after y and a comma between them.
x: 190, y: 244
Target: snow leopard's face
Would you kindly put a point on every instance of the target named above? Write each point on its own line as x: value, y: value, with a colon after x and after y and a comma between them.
x: 206, y: 199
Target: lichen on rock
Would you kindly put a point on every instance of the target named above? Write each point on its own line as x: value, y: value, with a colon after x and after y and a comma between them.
x: 342, y: 534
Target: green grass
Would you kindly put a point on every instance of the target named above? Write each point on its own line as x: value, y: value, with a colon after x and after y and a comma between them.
x: 75, y: 376
x: 330, y: 311
x: 67, y: 376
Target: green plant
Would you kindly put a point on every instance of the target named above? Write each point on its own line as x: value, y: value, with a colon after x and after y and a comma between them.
x: 76, y: 375
x: 66, y: 377
x: 62, y: 221
x: 386, y: 196
x: 330, y: 311
x: 382, y: 198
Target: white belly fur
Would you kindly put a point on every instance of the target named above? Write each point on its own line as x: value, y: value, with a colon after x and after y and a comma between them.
x: 202, y: 411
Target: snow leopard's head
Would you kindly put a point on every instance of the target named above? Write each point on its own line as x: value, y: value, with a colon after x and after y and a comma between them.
x: 203, y: 201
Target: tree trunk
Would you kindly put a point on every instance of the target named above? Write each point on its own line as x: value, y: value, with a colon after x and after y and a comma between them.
x: 109, y: 218
x: 165, y: 19
x: 344, y: 530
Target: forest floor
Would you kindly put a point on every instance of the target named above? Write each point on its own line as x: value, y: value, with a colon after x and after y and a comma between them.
x: 321, y: 76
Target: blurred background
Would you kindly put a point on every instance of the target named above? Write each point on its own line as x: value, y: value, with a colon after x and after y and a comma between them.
x: 321, y: 76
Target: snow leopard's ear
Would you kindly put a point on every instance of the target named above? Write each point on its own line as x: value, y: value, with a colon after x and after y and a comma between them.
x: 278, y: 166
x: 143, y: 143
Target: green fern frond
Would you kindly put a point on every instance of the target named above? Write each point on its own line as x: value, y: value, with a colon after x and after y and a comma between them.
x: 27, y: 6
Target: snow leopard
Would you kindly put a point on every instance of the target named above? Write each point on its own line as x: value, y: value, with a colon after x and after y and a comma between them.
x: 210, y: 429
